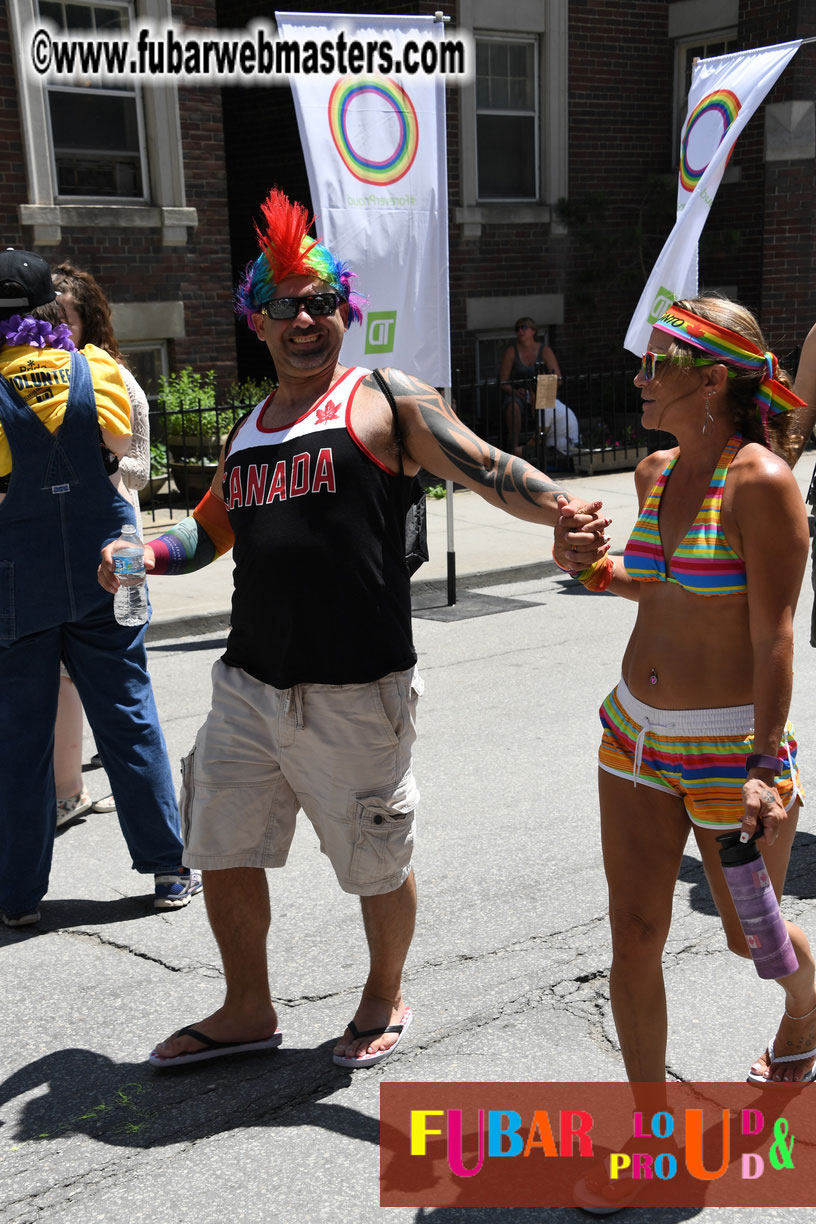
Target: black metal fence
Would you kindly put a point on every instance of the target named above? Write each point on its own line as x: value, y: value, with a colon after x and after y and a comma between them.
x: 184, y: 450
x: 595, y: 425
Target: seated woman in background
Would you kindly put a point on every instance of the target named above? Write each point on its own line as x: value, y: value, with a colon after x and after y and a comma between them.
x: 522, y: 361
x: 85, y: 309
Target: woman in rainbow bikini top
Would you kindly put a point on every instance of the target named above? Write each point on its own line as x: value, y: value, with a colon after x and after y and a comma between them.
x: 696, y: 734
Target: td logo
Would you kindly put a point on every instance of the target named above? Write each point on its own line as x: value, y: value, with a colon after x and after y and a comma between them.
x: 662, y: 302
x: 381, y: 327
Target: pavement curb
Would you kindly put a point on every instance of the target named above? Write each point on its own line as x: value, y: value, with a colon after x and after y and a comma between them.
x: 188, y: 626
x: 488, y: 577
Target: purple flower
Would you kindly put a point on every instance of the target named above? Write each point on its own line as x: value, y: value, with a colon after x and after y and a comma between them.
x: 36, y: 333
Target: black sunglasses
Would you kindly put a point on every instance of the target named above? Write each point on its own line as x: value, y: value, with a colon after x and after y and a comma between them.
x: 316, y: 305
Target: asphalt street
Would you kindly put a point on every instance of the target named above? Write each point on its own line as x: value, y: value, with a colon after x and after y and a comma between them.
x: 507, y: 975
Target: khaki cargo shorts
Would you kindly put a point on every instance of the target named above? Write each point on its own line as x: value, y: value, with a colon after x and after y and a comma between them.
x: 342, y: 753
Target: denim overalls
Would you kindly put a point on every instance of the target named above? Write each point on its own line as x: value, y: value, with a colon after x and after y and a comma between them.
x: 60, y: 509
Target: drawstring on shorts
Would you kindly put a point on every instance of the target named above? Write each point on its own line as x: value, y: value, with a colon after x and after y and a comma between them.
x: 648, y: 726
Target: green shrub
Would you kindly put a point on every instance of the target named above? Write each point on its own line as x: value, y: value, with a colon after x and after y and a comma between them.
x: 189, y: 400
x: 158, y: 459
x: 249, y: 391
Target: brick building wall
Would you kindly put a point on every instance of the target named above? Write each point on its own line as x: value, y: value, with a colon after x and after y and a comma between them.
x: 734, y: 250
x: 203, y: 274
x: 620, y: 156
x: 131, y: 264
x: 788, y: 287
x: 621, y: 197
x: 759, y: 239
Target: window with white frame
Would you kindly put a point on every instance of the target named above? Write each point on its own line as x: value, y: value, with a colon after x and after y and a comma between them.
x: 97, y: 131
x: 489, y: 352
x: 513, y: 114
x: 148, y: 361
x: 507, y: 129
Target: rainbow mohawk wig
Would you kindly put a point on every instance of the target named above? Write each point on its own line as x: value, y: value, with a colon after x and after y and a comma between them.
x: 287, y: 250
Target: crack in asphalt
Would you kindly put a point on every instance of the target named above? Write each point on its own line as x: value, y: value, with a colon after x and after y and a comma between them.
x: 46, y: 1200
x: 517, y: 946
x: 106, y: 942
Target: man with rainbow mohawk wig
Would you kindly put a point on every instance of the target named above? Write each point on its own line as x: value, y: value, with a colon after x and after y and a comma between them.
x: 314, y: 701
x: 287, y: 250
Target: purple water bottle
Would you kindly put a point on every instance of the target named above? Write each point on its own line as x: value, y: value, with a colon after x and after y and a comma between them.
x: 757, y: 907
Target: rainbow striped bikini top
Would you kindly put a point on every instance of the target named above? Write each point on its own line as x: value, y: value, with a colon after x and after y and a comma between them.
x: 704, y: 562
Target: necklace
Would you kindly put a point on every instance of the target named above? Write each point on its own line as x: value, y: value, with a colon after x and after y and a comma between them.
x: 37, y: 333
x: 652, y: 676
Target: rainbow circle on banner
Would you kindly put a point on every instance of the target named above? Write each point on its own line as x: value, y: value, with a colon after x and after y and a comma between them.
x: 725, y: 106
x: 398, y: 162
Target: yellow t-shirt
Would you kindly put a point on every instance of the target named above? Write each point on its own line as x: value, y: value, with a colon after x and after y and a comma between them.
x: 42, y: 378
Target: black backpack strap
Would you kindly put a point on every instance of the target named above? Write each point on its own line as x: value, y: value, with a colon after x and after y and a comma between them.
x: 235, y: 429
x: 386, y: 390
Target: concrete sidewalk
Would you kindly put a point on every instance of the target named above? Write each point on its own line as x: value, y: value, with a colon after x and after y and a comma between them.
x: 488, y: 544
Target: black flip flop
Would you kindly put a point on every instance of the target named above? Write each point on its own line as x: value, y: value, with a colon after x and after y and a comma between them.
x: 215, y: 1049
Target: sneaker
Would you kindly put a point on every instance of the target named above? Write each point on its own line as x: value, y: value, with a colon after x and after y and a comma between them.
x: 173, y: 891
x: 21, y: 920
x: 73, y: 807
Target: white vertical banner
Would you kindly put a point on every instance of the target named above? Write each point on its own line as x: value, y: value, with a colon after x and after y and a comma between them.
x: 376, y: 158
x: 725, y: 92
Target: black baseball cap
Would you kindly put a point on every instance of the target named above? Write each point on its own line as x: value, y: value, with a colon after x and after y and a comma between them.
x: 25, y: 280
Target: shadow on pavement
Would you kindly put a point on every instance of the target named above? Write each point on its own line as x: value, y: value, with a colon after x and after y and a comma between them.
x: 176, y: 647
x: 131, y: 1105
x: 800, y: 881
x: 80, y: 912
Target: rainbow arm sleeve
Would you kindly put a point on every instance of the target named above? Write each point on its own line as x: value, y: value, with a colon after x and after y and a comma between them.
x: 195, y: 541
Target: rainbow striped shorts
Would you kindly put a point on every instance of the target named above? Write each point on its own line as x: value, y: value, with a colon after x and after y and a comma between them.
x: 698, y: 755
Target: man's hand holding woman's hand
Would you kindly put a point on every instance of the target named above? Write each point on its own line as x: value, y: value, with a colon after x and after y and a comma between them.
x: 580, y: 537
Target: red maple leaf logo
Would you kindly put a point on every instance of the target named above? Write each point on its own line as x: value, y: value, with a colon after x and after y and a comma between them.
x: 329, y: 413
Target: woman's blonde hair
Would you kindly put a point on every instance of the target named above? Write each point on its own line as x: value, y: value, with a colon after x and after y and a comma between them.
x: 782, y: 436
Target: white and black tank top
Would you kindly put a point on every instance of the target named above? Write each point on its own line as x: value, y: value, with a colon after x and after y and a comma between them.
x: 322, y: 592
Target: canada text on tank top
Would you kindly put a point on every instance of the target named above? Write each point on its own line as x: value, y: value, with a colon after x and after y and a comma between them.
x: 309, y: 470
x: 322, y: 593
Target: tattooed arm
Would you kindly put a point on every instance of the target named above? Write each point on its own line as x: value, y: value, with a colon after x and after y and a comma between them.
x: 434, y: 438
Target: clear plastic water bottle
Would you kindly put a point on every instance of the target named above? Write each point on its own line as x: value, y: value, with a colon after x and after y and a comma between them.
x: 130, y: 601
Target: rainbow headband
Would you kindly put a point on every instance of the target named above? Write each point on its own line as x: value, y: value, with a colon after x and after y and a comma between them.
x: 732, y: 349
x: 287, y: 250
